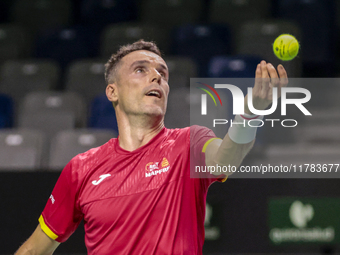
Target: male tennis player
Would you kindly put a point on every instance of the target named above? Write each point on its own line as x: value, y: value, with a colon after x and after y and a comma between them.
x: 135, y: 193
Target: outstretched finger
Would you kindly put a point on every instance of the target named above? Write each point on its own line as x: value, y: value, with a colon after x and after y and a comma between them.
x: 258, y: 77
x: 273, y: 75
x: 283, y: 75
x: 264, y: 69
x: 265, y: 78
x: 272, y: 71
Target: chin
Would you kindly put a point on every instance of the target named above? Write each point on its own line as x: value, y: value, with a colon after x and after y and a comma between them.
x: 154, y: 111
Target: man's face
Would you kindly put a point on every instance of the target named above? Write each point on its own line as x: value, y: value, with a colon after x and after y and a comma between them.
x: 142, y: 84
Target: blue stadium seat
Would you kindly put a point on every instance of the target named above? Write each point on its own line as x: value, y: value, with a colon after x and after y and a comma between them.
x: 67, y: 44
x: 100, y: 13
x: 201, y: 42
x: 240, y: 66
x: 102, y: 114
x: 316, y: 19
x: 6, y: 111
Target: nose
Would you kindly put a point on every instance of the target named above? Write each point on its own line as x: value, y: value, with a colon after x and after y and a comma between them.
x: 156, y: 76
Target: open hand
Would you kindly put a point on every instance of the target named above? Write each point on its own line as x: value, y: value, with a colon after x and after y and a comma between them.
x: 266, y: 78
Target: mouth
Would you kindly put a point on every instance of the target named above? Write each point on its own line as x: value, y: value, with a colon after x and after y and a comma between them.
x: 154, y: 93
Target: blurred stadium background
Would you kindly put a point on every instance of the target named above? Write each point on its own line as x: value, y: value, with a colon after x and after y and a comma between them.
x: 52, y: 107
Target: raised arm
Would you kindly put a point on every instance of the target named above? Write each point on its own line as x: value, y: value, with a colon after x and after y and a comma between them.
x: 238, y: 142
x: 38, y: 243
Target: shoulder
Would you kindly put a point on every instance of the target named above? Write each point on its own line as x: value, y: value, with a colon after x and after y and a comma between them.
x: 190, y: 132
x: 197, y: 130
x: 178, y: 134
x: 199, y: 135
x: 85, y: 162
x: 177, y: 131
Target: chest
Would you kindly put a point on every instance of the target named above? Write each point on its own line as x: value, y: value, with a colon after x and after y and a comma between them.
x: 129, y: 174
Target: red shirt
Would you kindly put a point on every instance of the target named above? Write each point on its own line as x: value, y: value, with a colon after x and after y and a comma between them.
x: 138, y: 202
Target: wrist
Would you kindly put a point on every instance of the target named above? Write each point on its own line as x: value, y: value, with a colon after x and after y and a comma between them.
x: 244, y: 127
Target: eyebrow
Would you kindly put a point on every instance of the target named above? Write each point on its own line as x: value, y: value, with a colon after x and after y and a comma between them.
x: 140, y: 62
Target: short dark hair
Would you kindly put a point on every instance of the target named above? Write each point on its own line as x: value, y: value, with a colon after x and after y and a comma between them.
x: 112, y: 64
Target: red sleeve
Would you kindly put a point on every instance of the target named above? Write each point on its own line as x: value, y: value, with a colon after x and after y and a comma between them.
x: 62, y: 215
x: 200, y: 137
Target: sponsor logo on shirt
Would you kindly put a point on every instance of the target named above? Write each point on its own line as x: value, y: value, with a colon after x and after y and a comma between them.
x: 155, y: 168
x: 52, y: 199
x: 101, y: 178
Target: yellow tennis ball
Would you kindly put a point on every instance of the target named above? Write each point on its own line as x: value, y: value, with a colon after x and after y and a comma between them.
x: 286, y: 47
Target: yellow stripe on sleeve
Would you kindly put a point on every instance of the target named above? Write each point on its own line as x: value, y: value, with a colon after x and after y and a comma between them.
x: 224, y: 179
x: 207, y: 143
x: 46, y: 229
x: 204, y: 149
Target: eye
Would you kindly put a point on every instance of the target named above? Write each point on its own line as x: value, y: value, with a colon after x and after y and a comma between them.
x: 139, y: 70
x: 163, y: 74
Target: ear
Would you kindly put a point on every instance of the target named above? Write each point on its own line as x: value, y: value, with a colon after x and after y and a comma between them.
x: 112, y: 92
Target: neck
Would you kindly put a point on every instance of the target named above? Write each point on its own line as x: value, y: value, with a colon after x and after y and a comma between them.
x: 137, y: 130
